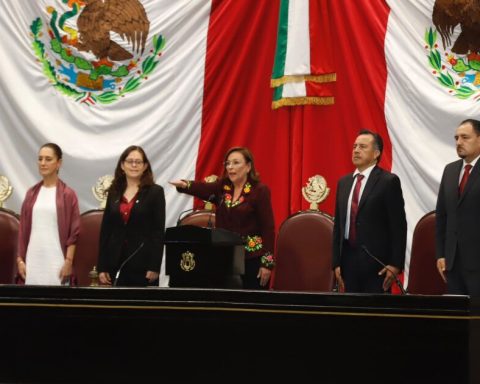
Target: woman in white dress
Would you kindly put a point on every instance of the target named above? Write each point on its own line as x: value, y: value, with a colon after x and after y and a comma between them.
x: 49, y: 225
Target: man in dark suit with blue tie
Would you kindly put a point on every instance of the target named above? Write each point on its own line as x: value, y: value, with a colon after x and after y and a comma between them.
x: 370, y: 222
x: 458, y: 215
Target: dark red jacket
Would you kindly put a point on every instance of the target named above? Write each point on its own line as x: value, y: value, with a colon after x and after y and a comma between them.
x: 252, y: 216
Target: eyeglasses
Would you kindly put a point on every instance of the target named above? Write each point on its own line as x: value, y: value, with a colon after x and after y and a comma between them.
x: 134, y: 162
x: 233, y: 163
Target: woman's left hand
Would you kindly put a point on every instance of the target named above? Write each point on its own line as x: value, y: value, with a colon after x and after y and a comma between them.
x: 264, y: 275
x: 66, y: 270
x: 151, y: 276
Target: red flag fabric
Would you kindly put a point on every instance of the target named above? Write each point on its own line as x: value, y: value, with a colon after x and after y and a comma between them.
x: 291, y: 144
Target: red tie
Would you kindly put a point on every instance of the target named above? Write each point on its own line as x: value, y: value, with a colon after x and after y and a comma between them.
x: 354, y: 209
x: 464, y: 180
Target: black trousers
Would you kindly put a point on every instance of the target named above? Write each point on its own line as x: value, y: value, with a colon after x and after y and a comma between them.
x: 359, y: 271
x: 250, y: 279
x: 461, y: 281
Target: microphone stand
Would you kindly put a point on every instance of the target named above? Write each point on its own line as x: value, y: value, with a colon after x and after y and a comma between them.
x: 126, y: 261
x: 181, y: 214
x: 212, y: 199
x: 209, y: 223
x: 399, y: 283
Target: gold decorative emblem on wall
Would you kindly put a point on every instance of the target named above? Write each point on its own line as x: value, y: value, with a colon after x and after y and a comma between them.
x: 315, y: 191
x: 188, y: 262
x: 5, y: 189
x: 100, y: 189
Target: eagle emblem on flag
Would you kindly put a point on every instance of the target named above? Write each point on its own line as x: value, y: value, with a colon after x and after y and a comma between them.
x: 458, y: 67
x: 93, y: 50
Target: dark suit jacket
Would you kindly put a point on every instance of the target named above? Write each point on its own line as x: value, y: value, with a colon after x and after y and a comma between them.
x: 146, y: 225
x: 458, y: 219
x: 381, y: 223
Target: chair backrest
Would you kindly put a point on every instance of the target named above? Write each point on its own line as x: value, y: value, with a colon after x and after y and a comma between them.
x: 86, y: 252
x: 9, y: 224
x: 199, y: 218
x: 304, y: 253
x: 423, y: 277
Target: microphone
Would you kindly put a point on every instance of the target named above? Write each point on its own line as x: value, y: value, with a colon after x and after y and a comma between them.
x: 211, y: 199
x: 126, y: 261
x: 399, y: 283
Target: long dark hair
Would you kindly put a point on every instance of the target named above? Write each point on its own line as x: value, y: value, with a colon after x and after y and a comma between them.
x: 252, y: 176
x: 119, y: 183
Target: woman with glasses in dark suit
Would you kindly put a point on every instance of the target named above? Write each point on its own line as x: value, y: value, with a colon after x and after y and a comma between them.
x: 133, y: 226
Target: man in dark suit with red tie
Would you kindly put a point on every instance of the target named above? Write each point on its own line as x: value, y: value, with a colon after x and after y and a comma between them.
x: 458, y: 215
x: 370, y: 222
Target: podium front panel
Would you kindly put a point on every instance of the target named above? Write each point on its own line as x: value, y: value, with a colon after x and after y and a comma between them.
x: 203, y: 257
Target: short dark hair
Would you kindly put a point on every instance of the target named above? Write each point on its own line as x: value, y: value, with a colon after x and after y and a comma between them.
x: 55, y: 148
x: 475, y: 124
x: 377, y: 141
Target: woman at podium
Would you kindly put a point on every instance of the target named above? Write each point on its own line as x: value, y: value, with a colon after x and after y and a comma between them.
x: 243, y: 205
x: 133, y: 225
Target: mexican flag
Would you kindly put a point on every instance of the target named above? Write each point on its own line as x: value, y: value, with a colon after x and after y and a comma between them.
x: 303, y: 60
x: 205, y: 79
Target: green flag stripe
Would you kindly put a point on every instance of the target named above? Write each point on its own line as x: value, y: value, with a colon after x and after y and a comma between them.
x: 282, y: 34
x: 278, y: 93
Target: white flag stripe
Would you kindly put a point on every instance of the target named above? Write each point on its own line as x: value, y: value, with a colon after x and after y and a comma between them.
x: 294, y: 90
x: 297, y: 60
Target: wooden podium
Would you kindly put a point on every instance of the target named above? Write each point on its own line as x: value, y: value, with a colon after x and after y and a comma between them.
x: 204, y: 257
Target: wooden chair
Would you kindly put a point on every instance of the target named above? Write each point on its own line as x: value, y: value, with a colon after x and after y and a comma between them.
x: 304, y: 253
x: 200, y: 218
x: 9, y: 225
x: 423, y: 276
x: 87, y: 245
